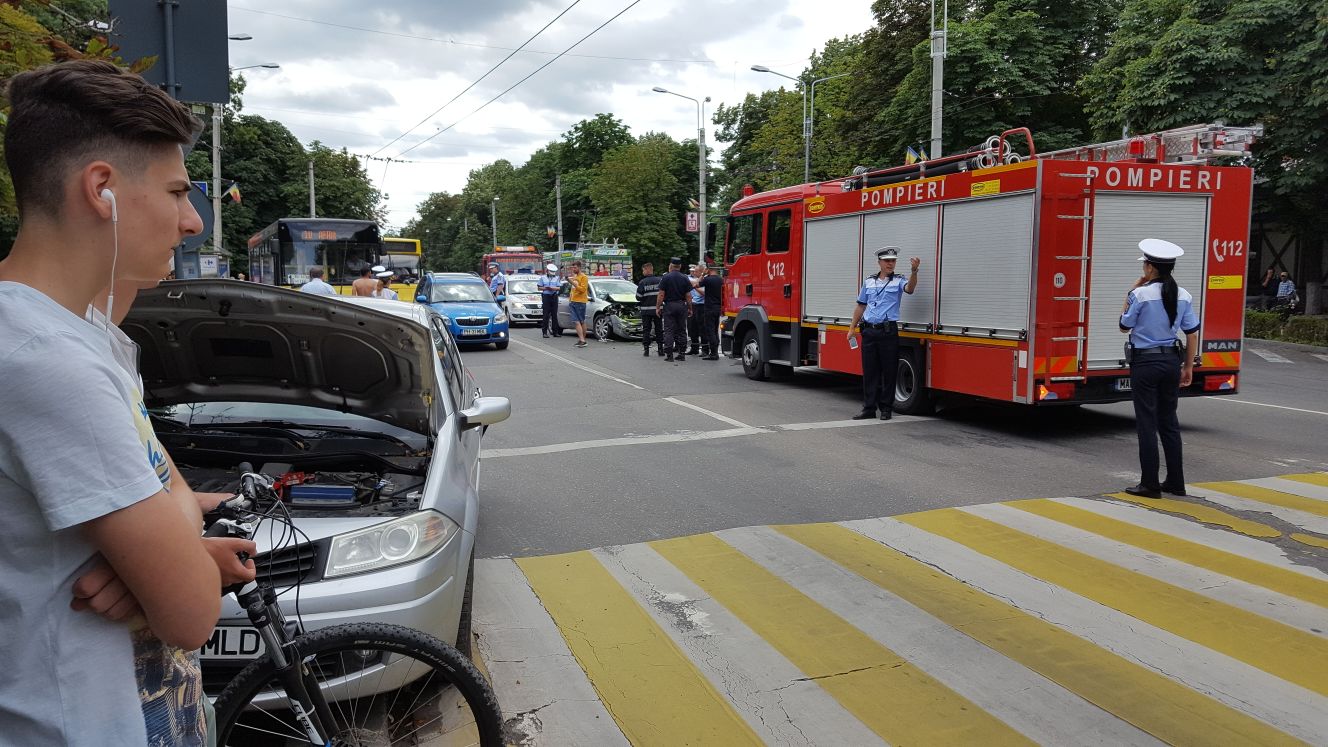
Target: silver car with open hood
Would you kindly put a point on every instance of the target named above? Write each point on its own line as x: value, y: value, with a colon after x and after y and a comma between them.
x: 367, y: 420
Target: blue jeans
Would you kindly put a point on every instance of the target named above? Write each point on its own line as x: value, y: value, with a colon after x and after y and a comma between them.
x: 578, y: 309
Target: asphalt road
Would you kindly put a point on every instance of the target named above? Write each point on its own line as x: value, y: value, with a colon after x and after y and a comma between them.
x: 606, y: 447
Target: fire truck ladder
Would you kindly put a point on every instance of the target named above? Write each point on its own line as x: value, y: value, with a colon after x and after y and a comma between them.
x: 1083, y: 257
x: 1193, y: 144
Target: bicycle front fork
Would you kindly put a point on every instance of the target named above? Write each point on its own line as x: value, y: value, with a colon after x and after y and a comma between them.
x: 301, y: 686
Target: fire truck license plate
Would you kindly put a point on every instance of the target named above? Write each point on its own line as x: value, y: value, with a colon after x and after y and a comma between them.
x: 1123, y: 385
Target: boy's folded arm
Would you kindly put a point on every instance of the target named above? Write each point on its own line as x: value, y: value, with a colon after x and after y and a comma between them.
x: 156, y: 551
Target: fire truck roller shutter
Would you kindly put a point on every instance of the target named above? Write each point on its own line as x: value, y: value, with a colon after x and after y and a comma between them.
x: 831, y: 262
x: 1121, y: 221
x: 914, y: 231
x: 986, y: 259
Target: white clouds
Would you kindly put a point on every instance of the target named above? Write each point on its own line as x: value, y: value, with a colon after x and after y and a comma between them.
x: 360, y: 90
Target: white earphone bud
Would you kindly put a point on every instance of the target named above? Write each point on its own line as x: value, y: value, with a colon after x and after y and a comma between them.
x: 109, y: 196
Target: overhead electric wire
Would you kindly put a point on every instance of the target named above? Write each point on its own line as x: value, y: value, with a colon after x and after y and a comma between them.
x: 478, y: 80
x: 596, y: 30
x: 463, y: 44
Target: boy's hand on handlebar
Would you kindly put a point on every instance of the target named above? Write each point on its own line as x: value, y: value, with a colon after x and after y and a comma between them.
x: 224, y: 551
x: 101, y: 591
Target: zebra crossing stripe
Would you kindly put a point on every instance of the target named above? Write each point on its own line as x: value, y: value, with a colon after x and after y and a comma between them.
x: 1267, y: 495
x: 1144, y: 681
x: 1292, y: 655
x: 1270, y: 577
x: 616, y: 642
x: 857, y: 671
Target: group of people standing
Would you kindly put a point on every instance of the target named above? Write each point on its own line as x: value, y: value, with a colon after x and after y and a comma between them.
x: 676, y: 307
x: 373, y: 282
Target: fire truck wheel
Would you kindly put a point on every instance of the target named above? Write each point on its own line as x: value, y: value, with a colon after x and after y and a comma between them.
x: 911, y: 396
x: 753, y: 360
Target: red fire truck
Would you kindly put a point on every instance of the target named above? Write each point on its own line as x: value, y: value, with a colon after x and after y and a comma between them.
x: 1026, y: 261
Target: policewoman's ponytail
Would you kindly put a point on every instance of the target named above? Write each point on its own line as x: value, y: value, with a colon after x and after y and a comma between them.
x: 1170, y: 291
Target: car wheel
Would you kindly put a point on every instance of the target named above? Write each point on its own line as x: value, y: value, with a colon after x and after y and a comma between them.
x: 912, y: 397
x: 602, y: 326
x: 501, y: 345
x: 463, y: 639
x: 753, y: 364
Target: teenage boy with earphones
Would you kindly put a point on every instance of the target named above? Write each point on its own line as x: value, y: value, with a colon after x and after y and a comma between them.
x: 96, y: 159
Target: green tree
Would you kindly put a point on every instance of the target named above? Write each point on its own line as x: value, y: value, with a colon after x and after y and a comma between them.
x: 631, y: 190
x: 342, y: 188
x: 742, y: 163
x: 584, y: 147
x: 437, y: 224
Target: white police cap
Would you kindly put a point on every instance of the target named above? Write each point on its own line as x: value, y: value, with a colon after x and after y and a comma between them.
x: 888, y: 252
x: 1159, y: 251
x: 377, y: 269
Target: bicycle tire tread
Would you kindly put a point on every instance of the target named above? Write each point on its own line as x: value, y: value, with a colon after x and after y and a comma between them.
x: 459, y: 670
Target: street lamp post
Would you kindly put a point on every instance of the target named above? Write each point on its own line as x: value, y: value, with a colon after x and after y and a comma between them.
x: 495, y: 223
x: 811, y: 125
x: 700, y: 167
x: 217, y: 112
x: 806, y: 122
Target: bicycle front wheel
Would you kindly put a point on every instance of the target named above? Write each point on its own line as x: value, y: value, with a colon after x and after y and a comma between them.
x: 383, y: 685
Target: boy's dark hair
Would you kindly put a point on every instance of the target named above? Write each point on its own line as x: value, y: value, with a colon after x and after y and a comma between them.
x: 62, y: 116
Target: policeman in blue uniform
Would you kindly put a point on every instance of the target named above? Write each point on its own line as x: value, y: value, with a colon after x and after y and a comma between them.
x: 877, y: 315
x: 1156, y: 308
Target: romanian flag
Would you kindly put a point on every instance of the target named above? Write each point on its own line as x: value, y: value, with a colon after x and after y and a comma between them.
x: 234, y: 193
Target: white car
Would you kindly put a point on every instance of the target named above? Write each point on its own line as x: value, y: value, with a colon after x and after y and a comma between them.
x: 362, y: 409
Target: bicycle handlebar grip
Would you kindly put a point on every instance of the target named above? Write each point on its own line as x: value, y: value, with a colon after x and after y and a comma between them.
x: 217, y: 529
x: 246, y: 482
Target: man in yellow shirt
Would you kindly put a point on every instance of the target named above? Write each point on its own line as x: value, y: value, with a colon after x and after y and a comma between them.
x: 580, y: 294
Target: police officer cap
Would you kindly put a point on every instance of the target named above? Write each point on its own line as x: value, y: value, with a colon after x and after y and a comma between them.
x: 1160, y: 252
x: 675, y: 261
x: 551, y: 267
x: 888, y: 252
x: 377, y: 268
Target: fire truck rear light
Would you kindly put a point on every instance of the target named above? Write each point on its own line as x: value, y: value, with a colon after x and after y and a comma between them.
x: 1219, y: 383
x: 1045, y: 393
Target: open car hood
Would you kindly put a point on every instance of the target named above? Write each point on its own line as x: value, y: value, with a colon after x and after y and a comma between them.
x: 623, y: 298
x: 235, y: 341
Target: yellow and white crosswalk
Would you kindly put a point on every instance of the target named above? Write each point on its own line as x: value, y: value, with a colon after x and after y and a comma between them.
x: 1199, y: 621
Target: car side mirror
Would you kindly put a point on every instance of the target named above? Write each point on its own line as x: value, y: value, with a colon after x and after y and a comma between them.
x: 421, y: 298
x: 485, y: 412
x: 501, y: 297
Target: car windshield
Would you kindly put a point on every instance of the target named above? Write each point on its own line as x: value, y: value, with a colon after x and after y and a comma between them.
x: 614, y: 287
x: 522, y: 286
x: 460, y: 292
x: 203, y: 414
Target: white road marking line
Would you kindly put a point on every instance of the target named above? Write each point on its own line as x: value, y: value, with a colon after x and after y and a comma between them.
x: 1320, y: 356
x: 1300, y: 615
x: 1294, y: 487
x: 1286, y: 706
x: 711, y: 413
x: 1187, y: 529
x: 774, y: 696
x: 1031, y: 704
x: 664, y: 438
x: 1302, y: 519
x: 574, y: 364
x: 834, y: 424
x: 530, y: 663
x: 1269, y: 356
x: 1263, y: 404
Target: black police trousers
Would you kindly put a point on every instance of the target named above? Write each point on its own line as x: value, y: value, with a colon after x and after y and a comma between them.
x: 652, y: 328
x: 1155, y: 381
x: 675, y: 327
x: 880, y: 365
x: 710, y: 330
x: 549, y: 319
x: 694, y: 325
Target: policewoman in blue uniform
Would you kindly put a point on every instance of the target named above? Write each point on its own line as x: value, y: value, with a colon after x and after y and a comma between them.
x: 1155, y: 310
x: 877, y: 316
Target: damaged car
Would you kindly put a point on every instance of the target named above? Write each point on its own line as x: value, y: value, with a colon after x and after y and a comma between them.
x: 611, y: 311
x: 366, y: 420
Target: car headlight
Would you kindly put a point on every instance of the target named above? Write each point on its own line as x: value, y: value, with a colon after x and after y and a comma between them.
x: 446, y: 319
x: 500, y: 319
x: 385, y: 545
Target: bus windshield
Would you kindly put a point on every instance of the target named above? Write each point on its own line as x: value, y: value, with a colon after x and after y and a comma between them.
x: 402, y: 264
x: 284, y: 252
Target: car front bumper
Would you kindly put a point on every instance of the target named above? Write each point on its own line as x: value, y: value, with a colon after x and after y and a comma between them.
x: 493, y: 332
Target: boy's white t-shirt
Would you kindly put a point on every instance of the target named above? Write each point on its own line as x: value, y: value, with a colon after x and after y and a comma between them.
x: 74, y: 446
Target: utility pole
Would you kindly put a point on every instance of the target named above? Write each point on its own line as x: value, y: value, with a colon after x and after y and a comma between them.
x: 558, y: 197
x: 495, y: 223
x: 938, y: 51
x: 313, y: 213
x: 701, y: 168
x: 216, y: 178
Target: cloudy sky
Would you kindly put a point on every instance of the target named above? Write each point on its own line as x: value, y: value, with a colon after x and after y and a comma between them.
x: 360, y: 75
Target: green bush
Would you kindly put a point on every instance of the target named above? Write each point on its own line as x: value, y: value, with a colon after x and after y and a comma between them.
x: 1265, y: 325
x: 1310, y: 330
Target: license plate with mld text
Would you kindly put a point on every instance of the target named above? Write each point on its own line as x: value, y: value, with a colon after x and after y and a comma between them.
x: 232, y: 643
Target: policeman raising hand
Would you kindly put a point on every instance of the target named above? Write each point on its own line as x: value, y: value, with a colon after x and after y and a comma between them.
x: 877, y: 313
x: 1156, y: 308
